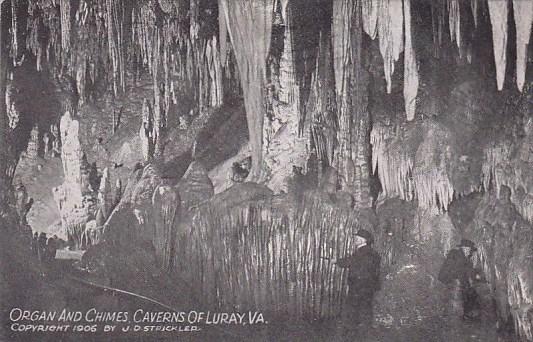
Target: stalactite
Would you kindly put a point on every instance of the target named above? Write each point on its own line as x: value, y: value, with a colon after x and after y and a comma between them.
x: 308, y: 22
x: 370, y: 17
x: 14, y: 29
x: 64, y: 8
x: 435, y: 29
x: 321, y: 105
x: 390, y: 30
x: 474, y: 8
x: 223, y: 34
x: 454, y: 17
x: 4, y: 152
x: 215, y: 72
x: 410, y: 79
x: 523, y: 16
x: 114, y: 21
x: 353, y: 150
x: 249, y: 25
x: 287, y: 74
x: 498, y: 18
x: 158, y: 109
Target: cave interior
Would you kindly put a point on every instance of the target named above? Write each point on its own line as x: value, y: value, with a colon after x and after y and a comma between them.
x: 236, y: 145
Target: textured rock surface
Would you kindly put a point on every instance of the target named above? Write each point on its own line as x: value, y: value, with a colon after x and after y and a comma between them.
x: 195, y: 187
x: 283, y: 144
x: 68, y: 196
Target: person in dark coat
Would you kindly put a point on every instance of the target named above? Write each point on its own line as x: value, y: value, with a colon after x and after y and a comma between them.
x: 94, y: 179
x: 363, y: 282
x: 41, y: 246
x: 35, y: 244
x: 51, y: 248
x: 458, y: 274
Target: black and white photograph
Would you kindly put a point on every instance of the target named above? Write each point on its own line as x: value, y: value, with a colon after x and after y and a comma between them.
x: 266, y: 170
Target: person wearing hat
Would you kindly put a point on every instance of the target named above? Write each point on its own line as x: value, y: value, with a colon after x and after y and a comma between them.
x: 363, y: 282
x: 458, y: 274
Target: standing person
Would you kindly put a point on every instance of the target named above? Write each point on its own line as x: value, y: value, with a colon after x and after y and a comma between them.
x: 363, y: 282
x: 35, y: 244
x: 51, y: 248
x: 41, y: 247
x: 458, y: 274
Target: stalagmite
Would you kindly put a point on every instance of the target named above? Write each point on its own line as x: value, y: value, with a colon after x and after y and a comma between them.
x: 33, y: 144
x: 13, y: 114
x: 69, y: 195
x: 166, y: 204
x: 390, y: 30
x: 523, y: 16
x: 410, y: 79
x: 249, y: 25
x: 146, y: 131
x: 105, y: 194
x: 498, y: 19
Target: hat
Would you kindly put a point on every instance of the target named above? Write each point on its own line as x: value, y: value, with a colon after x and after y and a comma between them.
x: 365, y: 234
x: 467, y: 243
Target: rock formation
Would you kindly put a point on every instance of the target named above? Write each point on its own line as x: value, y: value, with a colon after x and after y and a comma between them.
x: 195, y: 187
x: 166, y: 204
x: 284, y: 145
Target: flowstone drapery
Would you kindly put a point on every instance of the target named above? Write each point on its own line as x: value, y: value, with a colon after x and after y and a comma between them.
x: 249, y: 25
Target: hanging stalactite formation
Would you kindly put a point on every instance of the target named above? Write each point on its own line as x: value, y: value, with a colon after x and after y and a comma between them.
x: 523, y: 14
x: 249, y: 26
x: 351, y: 157
x: 390, y: 31
x: 498, y: 19
x: 410, y: 78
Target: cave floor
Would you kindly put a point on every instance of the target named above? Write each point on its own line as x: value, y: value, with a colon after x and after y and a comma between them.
x: 59, y: 289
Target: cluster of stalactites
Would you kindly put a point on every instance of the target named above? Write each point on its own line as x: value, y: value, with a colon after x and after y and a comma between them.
x: 408, y: 175
x: 115, y: 41
x: 393, y: 166
x: 112, y: 33
x: 179, y: 59
x: 433, y: 189
x: 390, y: 20
x: 498, y: 13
